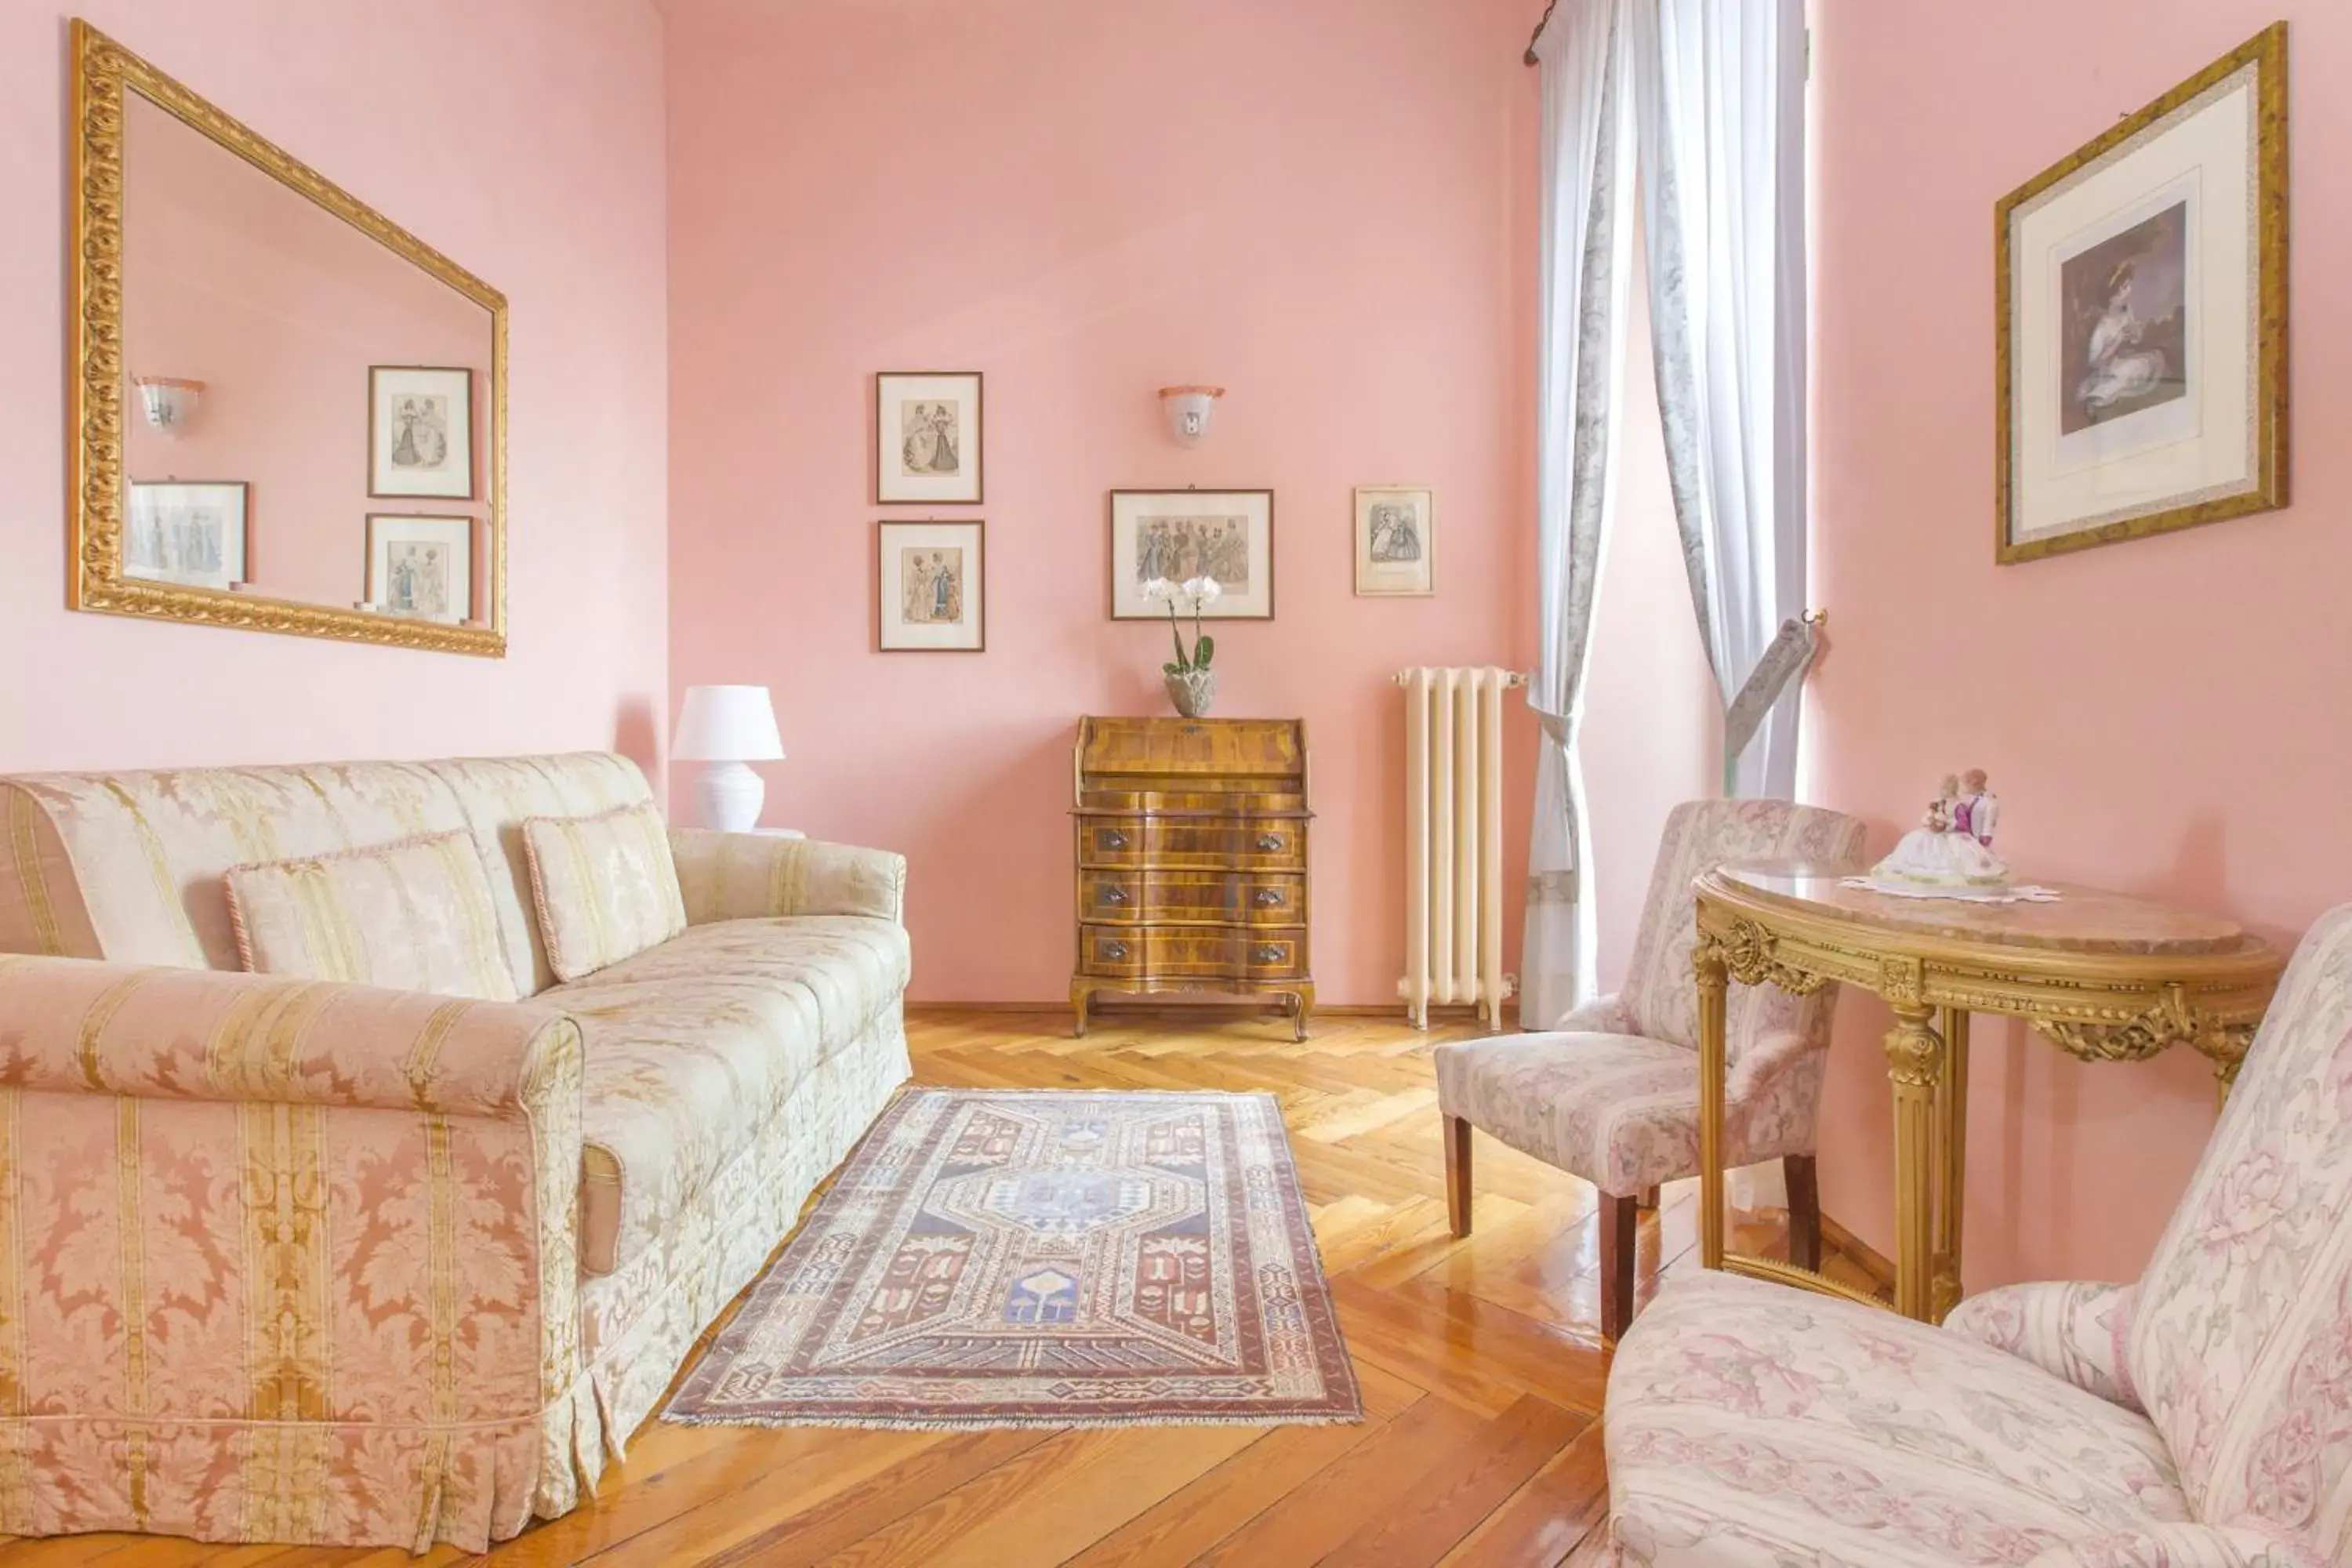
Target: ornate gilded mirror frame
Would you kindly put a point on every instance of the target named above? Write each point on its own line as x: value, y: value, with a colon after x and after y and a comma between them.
x: 103, y: 71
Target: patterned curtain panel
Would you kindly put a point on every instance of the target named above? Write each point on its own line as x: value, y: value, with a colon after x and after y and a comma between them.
x: 1719, y: 95
x: 1588, y: 151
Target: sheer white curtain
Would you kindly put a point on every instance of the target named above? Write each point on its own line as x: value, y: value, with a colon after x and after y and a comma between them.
x: 1719, y: 88
x: 1588, y: 152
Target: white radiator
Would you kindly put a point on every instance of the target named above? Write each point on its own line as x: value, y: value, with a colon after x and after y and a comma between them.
x: 1454, y: 840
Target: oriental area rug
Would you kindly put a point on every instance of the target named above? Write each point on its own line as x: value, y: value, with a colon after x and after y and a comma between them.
x: 1043, y: 1258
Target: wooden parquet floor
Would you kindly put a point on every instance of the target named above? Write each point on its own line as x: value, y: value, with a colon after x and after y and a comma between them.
x: 1480, y: 1362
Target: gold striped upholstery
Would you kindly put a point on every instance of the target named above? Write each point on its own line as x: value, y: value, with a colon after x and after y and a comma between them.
x: 603, y: 886
x: 415, y: 916
x: 129, y: 867
x: 317, y: 1285
x: 753, y: 875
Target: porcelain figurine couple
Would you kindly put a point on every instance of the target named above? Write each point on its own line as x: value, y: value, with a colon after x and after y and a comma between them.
x: 1952, y: 847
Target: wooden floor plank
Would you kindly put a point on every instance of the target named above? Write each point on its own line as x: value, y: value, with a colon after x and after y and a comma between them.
x: 1548, y: 1517
x: 1478, y: 1359
x: 1421, y: 1523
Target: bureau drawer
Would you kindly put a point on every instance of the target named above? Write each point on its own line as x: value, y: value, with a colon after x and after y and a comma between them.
x: 1157, y: 953
x: 1235, y: 897
x: 1240, y: 843
x: 1190, y: 953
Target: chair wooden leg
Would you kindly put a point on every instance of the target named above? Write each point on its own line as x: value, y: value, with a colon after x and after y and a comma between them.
x: 1804, y: 1211
x: 1617, y: 1219
x: 1649, y: 1197
x: 1457, y: 1174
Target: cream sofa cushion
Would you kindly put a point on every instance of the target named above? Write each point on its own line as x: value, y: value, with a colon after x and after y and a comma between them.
x: 604, y: 887
x: 694, y: 1044
x: 412, y: 915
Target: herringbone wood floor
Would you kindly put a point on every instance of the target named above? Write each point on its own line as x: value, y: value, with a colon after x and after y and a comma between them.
x: 1479, y: 1359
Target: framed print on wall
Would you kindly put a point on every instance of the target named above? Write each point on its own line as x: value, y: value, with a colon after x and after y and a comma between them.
x: 196, y: 534
x: 2140, y: 320
x: 420, y: 432
x: 932, y: 578
x: 1396, y: 540
x: 926, y: 438
x: 420, y: 567
x: 1182, y: 535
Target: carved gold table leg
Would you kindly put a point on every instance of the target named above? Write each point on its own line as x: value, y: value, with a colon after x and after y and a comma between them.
x: 1914, y: 1063
x: 2225, y: 1045
x: 1714, y: 979
x: 1951, y: 1160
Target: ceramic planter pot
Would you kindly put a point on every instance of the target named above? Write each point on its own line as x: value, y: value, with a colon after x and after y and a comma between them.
x: 1193, y: 691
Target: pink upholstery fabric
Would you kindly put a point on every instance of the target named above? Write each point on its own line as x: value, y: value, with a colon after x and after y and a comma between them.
x: 1750, y: 1424
x: 413, y: 915
x: 2182, y: 1546
x: 298, y: 1262
x: 2237, y: 1341
x: 1622, y: 1111
x: 745, y: 876
x: 285, y: 1260
x: 2240, y: 1343
x: 1612, y: 1094
x: 2072, y: 1330
x: 1659, y: 994
x: 602, y: 887
x: 694, y: 1044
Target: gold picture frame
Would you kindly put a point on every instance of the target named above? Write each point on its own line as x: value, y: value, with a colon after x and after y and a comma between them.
x: 103, y: 73
x: 2231, y: 464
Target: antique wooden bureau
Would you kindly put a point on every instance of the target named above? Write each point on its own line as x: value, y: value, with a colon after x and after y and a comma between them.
x: 1191, y: 860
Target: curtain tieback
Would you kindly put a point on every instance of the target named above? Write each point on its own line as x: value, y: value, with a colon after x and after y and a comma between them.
x: 1783, y: 661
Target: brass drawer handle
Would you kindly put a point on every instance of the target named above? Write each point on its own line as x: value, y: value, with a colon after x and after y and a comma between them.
x: 1113, y: 838
x: 1269, y: 954
x: 1269, y: 842
x: 1114, y: 895
x: 1114, y: 949
x: 1267, y: 898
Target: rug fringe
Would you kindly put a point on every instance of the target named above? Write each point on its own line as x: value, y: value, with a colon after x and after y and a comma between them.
x: 1009, y: 1423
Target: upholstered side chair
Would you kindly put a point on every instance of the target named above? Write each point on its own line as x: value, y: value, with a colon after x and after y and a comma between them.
x: 1611, y: 1095
x: 2199, y: 1418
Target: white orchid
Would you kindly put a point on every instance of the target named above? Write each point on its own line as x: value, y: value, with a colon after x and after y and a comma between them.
x: 1191, y: 595
x: 1201, y: 590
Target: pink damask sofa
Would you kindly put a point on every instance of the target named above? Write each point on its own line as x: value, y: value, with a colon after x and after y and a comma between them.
x: 2199, y: 1418
x: 309, y: 1262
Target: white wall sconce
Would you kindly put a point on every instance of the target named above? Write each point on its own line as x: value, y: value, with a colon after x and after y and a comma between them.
x: 170, y: 400
x: 1188, y: 409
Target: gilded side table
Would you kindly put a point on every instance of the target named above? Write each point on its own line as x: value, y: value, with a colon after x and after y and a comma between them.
x: 2101, y: 977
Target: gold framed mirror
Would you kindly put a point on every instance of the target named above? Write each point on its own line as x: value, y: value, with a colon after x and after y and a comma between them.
x: 233, y: 311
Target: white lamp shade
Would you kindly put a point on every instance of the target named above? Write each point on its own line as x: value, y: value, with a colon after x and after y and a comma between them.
x: 728, y: 724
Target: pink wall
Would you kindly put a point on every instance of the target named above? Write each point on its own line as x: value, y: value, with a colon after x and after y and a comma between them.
x: 280, y: 307
x: 527, y: 141
x: 1325, y: 205
x: 2161, y: 716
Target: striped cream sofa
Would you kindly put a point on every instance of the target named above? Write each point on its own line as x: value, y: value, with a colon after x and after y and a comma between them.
x: 309, y: 1262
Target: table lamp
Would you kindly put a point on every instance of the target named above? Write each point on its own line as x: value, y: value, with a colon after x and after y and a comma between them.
x: 728, y: 726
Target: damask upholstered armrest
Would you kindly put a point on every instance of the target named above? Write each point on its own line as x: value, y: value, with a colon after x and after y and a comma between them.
x: 78, y: 1026
x: 2069, y: 1329
x: 2185, y: 1546
x: 749, y: 876
x: 323, y: 1264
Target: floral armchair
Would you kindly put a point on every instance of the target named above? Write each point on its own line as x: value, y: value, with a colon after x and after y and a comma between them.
x: 2201, y: 1418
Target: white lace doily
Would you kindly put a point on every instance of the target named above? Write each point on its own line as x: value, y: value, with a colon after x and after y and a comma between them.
x: 2007, y: 893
